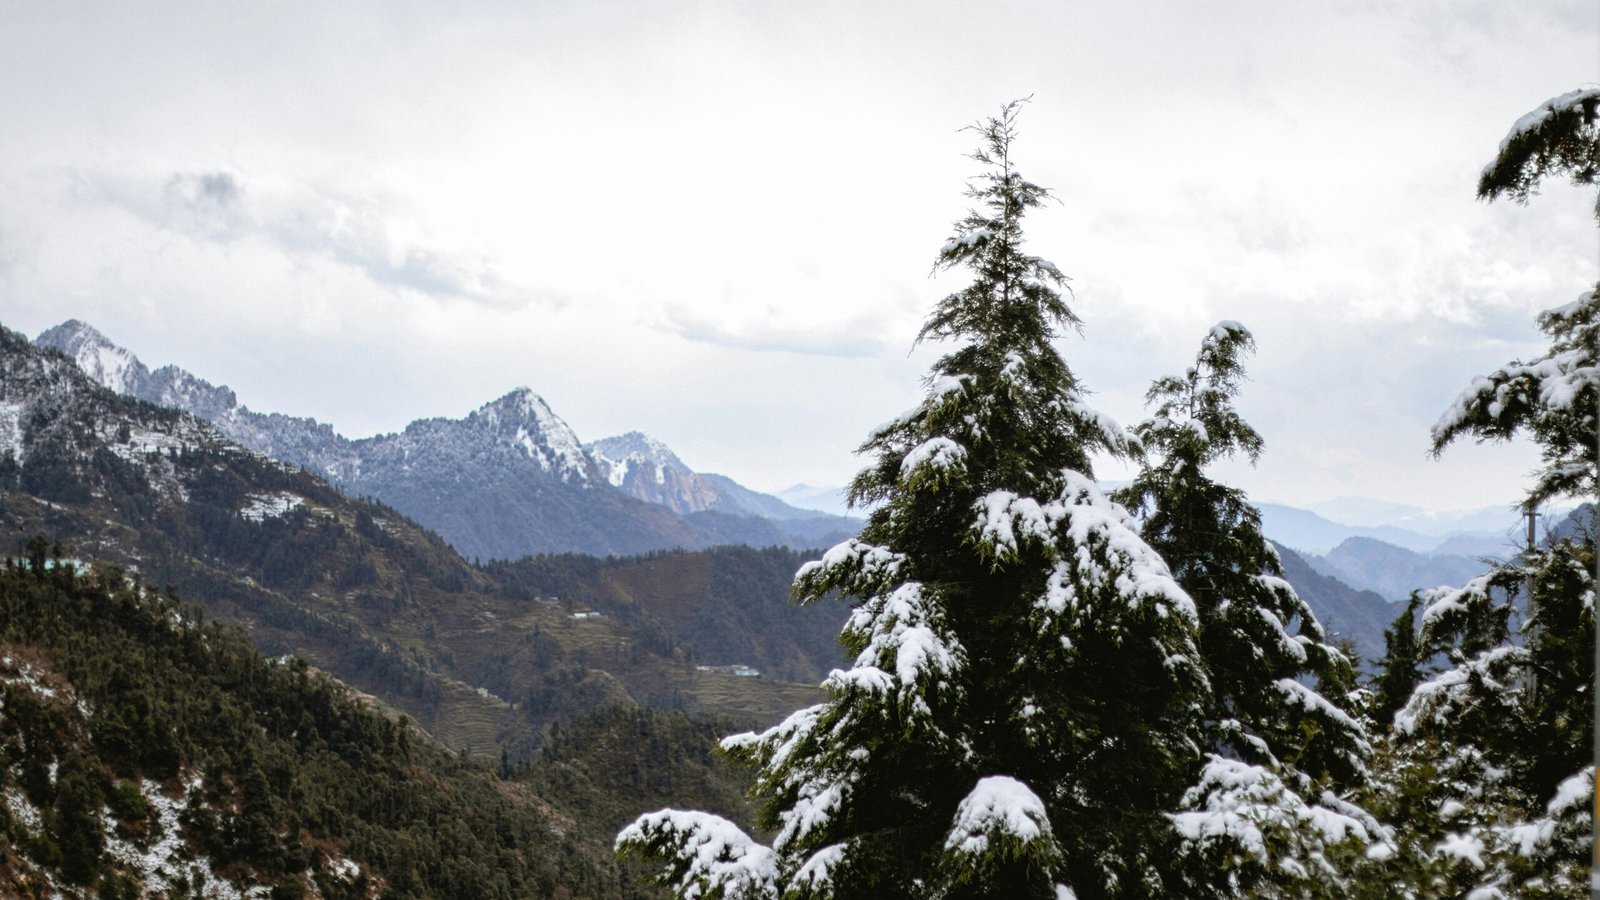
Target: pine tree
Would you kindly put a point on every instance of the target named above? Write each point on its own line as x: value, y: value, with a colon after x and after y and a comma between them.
x: 1487, y: 776
x: 1019, y: 719
x: 1265, y: 808
x: 1397, y: 675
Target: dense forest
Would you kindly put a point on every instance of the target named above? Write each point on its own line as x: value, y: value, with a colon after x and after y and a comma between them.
x: 147, y: 749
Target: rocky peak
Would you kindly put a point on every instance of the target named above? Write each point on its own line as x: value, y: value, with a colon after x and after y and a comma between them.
x: 620, y: 456
x: 524, y: 419
x: 105, y: 362
x: 118, y: 369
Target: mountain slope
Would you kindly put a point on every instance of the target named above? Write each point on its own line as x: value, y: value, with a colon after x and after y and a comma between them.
x: 507, y: 480
x: 1355, y: 615
x: 1394, y: 572
x: 352, y: 585
x: 149, y: 752
x: 727, y: 606
x: 649, y: 470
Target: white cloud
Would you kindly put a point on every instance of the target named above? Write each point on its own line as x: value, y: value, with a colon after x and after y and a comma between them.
x: 714, y: 221
x: 373, y: 234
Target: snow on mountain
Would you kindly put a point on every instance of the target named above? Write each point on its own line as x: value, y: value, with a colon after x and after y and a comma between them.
x: 304, y: 442
x: 526, y: 421
x: 55, y: 421
x: 508, y: 479
x: 648, y: 469
x: 619, y: 457
x: 100, y: 359
x: 11, y: 430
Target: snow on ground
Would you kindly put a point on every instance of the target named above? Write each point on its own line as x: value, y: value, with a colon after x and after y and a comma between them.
x: 26, y: 676
x: 144, y: 441
x: 263, y: 506
x: 343, y: 868
x: 22, y: 810
x: 165, y: 859
x: 11, y: 429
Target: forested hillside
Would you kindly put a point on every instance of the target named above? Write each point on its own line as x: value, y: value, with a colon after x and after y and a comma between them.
x: 351, y: 585
x: 726, y: 605
x: 148, y: 751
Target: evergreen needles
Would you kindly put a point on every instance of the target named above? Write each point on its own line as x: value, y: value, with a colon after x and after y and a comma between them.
x: 1020, y: 716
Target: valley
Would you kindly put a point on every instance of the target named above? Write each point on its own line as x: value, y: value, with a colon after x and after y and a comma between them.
x: 586, y: 678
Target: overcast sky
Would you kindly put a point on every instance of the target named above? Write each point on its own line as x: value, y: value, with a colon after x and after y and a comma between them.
x: 714, y: 222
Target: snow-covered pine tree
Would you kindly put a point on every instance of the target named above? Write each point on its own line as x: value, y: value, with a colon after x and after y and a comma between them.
x: 1019, y: 718
x: 1266, y: 809
x: 1487, y: 779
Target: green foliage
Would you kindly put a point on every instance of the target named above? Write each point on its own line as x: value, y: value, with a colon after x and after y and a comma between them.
x: 106, y: 683
x: 725, y: 605
x: 1398, y: 671
x: 1019, y: 713
x: 1486, y: 776
x: 1559, y: 138
x: 1259, y: 642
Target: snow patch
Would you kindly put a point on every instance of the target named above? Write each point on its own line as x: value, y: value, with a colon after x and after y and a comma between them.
x: 260, y: 507
x: 904, y: 635
x: 22, y: 810
x: 11, y: 430
x: 970, y: 239
x: 1462, y: 848
x: 998, y: 806
x: 714, y: 858
x: 166, y: 860
x: 1531, y: 121
x: 1250, y: 807
x: 937, y: 453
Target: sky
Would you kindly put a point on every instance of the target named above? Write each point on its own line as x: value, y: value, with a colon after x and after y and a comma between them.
x: 714, y: 221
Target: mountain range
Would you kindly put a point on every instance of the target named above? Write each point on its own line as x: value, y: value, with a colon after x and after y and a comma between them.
x: 1488, y: 532
x: 481, y: 659
x: 509, y: 479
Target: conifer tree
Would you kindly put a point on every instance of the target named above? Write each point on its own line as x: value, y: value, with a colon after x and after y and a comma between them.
x: 1487, y: 775
x: 1019, y: 718
x: 1265, y: 808
x: 1397, y: 675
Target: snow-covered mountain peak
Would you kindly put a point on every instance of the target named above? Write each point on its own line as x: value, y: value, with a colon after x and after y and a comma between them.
x: 105, y: 362
x: 620, y: 455
x: 527, y: 420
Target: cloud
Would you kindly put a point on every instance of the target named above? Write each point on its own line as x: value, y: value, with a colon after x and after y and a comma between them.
x: 373, y: 234
x: 861, y: 337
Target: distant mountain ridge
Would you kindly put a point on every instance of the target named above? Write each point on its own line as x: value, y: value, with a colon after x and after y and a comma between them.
x: 1359, y: 616
x: 509, y: 479
x: 1310, y: 532
x: 613, y: 588
x: 648, y: 469
x: 1394, y: 572
x: 357, y: 588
